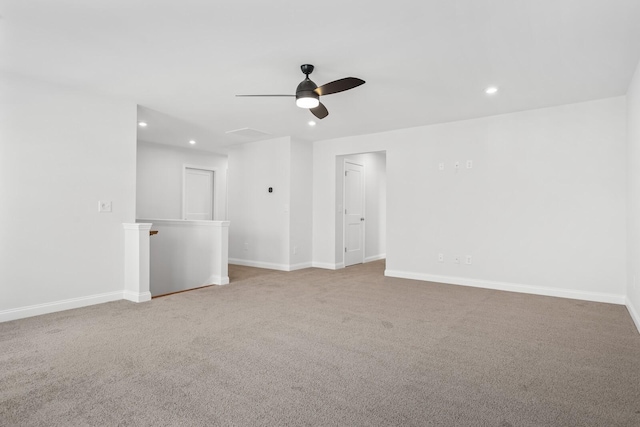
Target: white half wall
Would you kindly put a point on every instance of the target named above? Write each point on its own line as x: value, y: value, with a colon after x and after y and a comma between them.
x: 159, y: 180
x: 62, y: 151
x: 543, y: 206
x: 187, y: 254
x: 633, y: 197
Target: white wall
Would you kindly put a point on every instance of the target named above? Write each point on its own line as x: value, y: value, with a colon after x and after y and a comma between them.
x: 375, y: 205
x: 61, y: 151
x: 542, y: 210
x: 633, y: 197
x: 160, y: 179
x: 301, y: 219
x: 267, y: 228
x: 259, y: 231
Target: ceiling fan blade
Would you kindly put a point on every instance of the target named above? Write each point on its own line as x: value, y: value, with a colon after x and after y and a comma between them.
x: 339, y: 86
x: 263, y: 95
x: 320, y: 111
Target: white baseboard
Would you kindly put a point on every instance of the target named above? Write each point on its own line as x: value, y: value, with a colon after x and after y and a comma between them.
x: 220, y: 280
x: 51, y: 307
x: 299, y: 266
x: 375, y: 257
x: 327, y: 265
x: 634, y: 313
x: 136, y: 296
x: 270, y: 265
x: 259, y: 264
x: 511, y: 287
x: 339, y: 265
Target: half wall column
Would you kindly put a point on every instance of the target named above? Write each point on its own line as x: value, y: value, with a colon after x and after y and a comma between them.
x: 136, y: 261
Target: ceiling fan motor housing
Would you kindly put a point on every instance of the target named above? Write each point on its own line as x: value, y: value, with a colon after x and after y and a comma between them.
x: 306, y: 89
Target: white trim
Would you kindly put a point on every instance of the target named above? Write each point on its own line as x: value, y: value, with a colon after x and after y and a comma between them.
x: 189, y: 222
x: 136, y: 225
x: 634, y: 313
x: 375, y: 257
x: 270, y: 265
x: 259, y: 264
x: 511, y: 287
x: 218, y: 280
x: 52, y: 307
x: 327, y: 266
x: 299, y: 266
x: 137, y: 296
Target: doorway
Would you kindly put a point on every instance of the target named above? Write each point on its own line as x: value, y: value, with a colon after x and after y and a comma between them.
x: 197, y: 203
x: 353, y: 213
x: 361, y: 208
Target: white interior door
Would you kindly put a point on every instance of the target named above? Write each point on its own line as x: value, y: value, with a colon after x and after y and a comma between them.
x: 198, y: 194
x: 353, y: 213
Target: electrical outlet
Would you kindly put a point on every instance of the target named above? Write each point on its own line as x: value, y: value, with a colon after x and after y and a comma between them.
x: 456, y: 259
x: 468, y: 260
x: 104, y: 206
x: 441, y: 166
x: 440, y: 257
x: 456, y: 165
x: 469, y: 164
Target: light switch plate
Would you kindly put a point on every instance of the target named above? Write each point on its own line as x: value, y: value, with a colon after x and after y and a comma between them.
x: 104, y: 206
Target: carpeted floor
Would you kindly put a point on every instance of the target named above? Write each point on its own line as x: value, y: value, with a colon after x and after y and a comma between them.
x: 318, y: 347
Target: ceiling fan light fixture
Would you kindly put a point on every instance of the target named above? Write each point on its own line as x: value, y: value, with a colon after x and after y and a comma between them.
x: 306, y: 96
x: 308, y: 93
x: 308, y: 102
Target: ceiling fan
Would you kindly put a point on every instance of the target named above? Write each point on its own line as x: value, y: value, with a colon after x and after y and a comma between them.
x: 308, y: 93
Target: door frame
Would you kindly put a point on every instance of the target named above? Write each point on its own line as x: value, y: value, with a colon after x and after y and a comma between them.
x: 344, y: 216
x: 214, y: 171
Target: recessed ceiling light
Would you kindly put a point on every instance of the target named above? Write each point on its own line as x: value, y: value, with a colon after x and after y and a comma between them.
x: 312, y: 123
x: 192, y: 142
x: 142, y: 124
x: 491, y: 90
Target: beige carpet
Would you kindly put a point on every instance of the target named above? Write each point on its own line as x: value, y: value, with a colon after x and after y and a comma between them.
x: 318, y: 347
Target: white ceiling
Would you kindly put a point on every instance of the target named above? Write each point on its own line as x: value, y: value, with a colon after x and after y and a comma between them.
x: 424, y: 61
